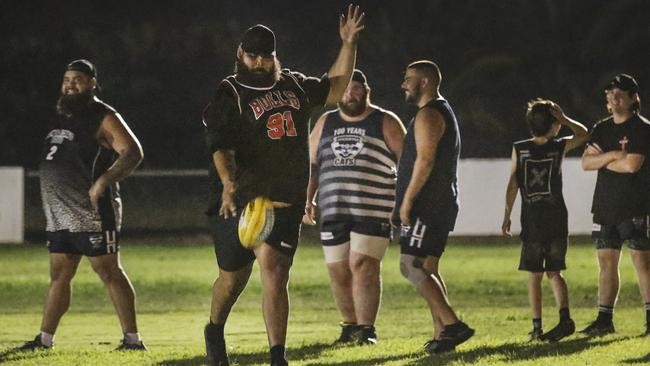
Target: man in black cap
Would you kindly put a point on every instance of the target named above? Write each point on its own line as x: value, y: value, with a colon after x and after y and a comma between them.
x: 88, y: 150
x: 619, y: 150
x: 257, y: 133
x: 353, y: 152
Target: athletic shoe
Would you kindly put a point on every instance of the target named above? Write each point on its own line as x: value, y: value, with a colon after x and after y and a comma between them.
x: 33, y: 345
x: 365, y: 334
x: 536, y: 334
x: 131, y: 346
x: 281, y: 362
x: 215, y: 348
x: 432, y: 345
x: 451, y: 336
x: 562, y: 329
x: 599, y: 328
x: 347, y: 330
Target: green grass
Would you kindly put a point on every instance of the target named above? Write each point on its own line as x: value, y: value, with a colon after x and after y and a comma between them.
x: 173, y: 285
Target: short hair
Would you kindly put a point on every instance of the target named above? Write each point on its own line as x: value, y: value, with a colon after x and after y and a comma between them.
x: 539, y: 117
x: 428, y: 68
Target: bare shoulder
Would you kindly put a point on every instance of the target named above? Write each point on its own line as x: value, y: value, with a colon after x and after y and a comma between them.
x: 429, y: 116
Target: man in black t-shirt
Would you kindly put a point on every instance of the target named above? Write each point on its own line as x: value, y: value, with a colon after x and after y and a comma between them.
x: 618, y: 149
x: 257, y: 133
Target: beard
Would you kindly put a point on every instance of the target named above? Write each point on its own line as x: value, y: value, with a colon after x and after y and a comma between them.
x: 71, y: 105
x: 412, y: 97
x: 257, y: 77
x: 353, y: 109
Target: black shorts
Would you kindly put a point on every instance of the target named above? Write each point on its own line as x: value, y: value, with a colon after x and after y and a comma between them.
x: 635, y: 230
x: 231, y: 256
x: 338, y: 232
x: 424, y: 237
x: 543, y: 256
x: 91, y: 244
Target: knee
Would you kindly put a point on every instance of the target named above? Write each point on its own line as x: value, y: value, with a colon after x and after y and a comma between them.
x: 108, y: 273
x: 277, y: 277
x: 431, y: 267
x: 364, y: 266
x: 411, y: 268
x: 62, y: 275
x: 553, y: 275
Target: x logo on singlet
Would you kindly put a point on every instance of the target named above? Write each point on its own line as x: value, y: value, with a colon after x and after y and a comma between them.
x: 538, y: 176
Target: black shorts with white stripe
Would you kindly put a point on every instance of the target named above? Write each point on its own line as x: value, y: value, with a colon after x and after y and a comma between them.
x: 424, y: 237
x: 231, y: 256
x: 91, y: 244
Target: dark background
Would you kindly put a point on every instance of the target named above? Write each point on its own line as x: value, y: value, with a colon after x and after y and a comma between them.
x: 158, y: 62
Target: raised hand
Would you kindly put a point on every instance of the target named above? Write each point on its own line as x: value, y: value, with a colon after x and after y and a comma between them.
x: 351, y: 25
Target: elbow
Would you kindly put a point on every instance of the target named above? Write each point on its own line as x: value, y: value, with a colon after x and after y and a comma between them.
x: 586, y: 166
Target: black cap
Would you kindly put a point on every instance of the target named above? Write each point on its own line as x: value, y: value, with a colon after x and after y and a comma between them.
x: 624, y: 82
x: 84, y: 66
x: 358, y: 75
x: 260, y: 40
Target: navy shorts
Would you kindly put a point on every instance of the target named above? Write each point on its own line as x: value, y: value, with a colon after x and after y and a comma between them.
x: 232, y: 256
x: 635, y: 230
x: 543, y: 255
x: 91, y: 244
x: 424, y: 237
x: 338, y: 232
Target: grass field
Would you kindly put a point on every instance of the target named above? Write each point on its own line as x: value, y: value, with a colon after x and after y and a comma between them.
x: 173, y: 285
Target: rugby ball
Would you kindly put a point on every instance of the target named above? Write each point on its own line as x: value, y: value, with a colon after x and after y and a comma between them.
x: 255, y: 222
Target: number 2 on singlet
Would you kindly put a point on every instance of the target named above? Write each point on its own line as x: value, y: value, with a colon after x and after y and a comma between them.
x: 53, y: 150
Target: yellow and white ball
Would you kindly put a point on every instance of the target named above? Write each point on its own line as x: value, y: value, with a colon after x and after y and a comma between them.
x: 256, y: 222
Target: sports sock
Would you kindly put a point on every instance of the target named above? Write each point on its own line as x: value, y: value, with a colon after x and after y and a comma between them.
x: 277, y: 352
x: 132, y: 338
x: 47, y: 339
x: 537, y: 323
x: 647, y: 313
x: 565, y: 314
x: 605, y: 313
x: 215, y: 330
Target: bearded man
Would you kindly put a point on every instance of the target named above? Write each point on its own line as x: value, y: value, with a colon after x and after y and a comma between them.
x: 257, y: 133
x: 354, y: 152
x: 88, y: 150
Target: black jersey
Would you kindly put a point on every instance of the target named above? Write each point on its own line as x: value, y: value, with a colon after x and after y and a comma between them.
x: 357, y: 170
x: 619, y: 196
x: 539, y: 176
x: 268, y: 129
x: 439, y: 195
x: 71, y: 162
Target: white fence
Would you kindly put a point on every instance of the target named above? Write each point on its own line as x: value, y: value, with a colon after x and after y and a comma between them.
x: 12, y: 188
x: 482, y: 195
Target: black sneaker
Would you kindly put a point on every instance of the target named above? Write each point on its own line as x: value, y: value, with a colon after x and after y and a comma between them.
x: 536, y: 334
x: 33, y: 345
x: 451, y: 336
x: 365, y: 334
x: 562, y: 329
x: 599, y: 328
x: 282, y: 362
x: 215, y: 347
x: 347, y: 330
x: 131, y: 346
x: 434, y: 346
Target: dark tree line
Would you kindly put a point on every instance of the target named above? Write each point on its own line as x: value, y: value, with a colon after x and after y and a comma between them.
x: 158, y: 62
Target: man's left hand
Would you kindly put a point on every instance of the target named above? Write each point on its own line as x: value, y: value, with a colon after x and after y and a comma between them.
x: 97, y: 191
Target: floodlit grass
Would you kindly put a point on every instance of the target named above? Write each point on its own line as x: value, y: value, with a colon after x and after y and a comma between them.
x: 173, y: 285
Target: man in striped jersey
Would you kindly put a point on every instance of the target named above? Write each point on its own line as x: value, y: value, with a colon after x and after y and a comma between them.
x: 354, y: 151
